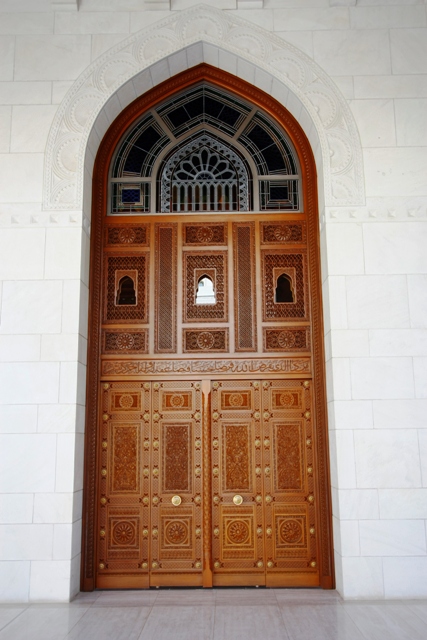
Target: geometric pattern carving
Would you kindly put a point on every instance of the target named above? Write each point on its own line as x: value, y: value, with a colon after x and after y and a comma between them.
x: 238, y: 541
x: 196, y: 266
x: 293, y: 265
x: 165, y: 325
x: 119, y: 341
x: 220, y: 161
x: 244, y: 285
x: 286, y: 399
x: 176, y: 536
x: 123, y: 534
x: 128, y: 235
x: 202, y: 340
x: 117, y: 266
x: 288, y: 456
x: 175, y: 401
x: 237, y: 457
x: 291, y: 531
x: 238, y: 531
x: 176, y: 532
x: 236, y: 399
x: 176, y: 457
x: 287, y: 339
x: 125, y: 401
x: 125, y: 458
x: 203, y: 233
x: 341, y: 151
x: 279, y: 233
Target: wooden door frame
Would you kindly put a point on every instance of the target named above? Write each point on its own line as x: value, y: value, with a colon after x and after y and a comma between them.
x: 228, y: 82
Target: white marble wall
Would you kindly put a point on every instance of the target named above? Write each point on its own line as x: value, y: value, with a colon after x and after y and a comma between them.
x: 375, y: 288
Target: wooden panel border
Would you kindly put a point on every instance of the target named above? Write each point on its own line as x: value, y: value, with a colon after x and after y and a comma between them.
x: 228, y: 82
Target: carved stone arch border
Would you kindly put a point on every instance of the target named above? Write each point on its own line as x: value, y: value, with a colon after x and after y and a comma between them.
x: 111, y: 139
x: 185, y: 39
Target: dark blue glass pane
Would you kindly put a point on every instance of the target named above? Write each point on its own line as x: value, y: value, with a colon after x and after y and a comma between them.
x: 129, y: 196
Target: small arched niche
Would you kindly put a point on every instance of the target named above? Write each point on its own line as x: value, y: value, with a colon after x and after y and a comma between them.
x: 205, y: 293
x: 284, y: 290
x: 126, y: 291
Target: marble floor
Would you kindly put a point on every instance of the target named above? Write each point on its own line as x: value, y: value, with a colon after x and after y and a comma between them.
x: 219, y: 614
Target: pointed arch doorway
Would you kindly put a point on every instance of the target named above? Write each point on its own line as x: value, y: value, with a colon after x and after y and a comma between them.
x: 206, y: 459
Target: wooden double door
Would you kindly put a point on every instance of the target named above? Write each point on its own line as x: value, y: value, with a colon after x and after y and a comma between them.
x: 207, y: 482
x: 211, y: 456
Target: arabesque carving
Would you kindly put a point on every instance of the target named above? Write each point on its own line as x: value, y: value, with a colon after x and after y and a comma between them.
x: 327, y: 108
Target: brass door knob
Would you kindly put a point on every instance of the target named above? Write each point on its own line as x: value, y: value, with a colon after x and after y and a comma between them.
x: 237, y: 500
x: 176, y: 501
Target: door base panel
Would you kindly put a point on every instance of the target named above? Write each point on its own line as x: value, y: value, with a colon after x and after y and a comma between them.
x: 291, y: 580
x: 239, y: 579
x: 176, y: 580
x: 123, y: 582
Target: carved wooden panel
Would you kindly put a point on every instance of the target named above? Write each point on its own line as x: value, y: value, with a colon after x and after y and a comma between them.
x: 177, y: 535
x: 244, y: 286
x: 224, y: 366
x: 165, y: 300
x: 122, y: 516
x: 127, y: 235
x: 291, y: 545
x: 237, y: 456
x: 205, y: 340
x: 292, y: 265
x: 288, y: 455
x: 283, y: 233
x: 117, y: 267
x: 287, y: 339
x: 125, y: 459
x: 176, y: 480
x: 212, y: 264
x: 238, y: 540
x: 205, y: 233
x: 125, y: 341
x: 237, y: 496
x: 177, y: 460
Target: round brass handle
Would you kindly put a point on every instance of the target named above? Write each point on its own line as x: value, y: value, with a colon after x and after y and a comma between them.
x: 237, y: 500
x: 176, y: 501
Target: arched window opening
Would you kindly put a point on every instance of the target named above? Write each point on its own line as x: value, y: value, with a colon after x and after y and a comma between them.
x: 215, y: 153
x: 284, y: 291
x: 204, y: 175
x: 205, y: 291
x: 126, y: 291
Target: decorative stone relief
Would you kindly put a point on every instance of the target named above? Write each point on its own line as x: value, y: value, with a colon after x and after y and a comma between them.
x: 68, y: 138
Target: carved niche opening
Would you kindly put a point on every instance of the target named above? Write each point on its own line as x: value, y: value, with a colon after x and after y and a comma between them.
x: 126, y: 294
x: 205, y: 293
x: 284, y: 290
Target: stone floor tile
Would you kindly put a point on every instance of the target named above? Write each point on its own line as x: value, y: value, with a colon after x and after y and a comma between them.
x: 179, y: 623
x: 184, y: 597
x: 110, y: 623
x: 419, y: 608
x: 249, y: 623
x: 307, y: 596
x: 140, y: 598
x: 323, y: 622
x: 245, y: 597
x: 9, y: 613
x: 43, y: 623
x: 391, y: 620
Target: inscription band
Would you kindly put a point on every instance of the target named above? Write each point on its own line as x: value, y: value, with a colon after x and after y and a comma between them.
x: 161, y: 367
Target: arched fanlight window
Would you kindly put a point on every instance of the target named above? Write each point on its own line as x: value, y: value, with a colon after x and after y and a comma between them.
x: 204, y: 149
x: 204, y: 175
